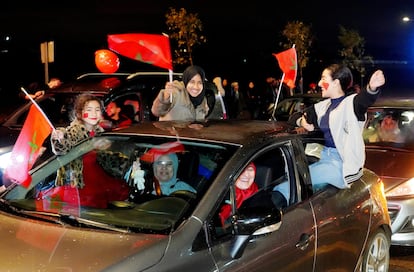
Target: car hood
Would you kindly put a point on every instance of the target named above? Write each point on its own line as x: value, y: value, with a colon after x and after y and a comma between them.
x: 393, y: 165
x: 31, y: 245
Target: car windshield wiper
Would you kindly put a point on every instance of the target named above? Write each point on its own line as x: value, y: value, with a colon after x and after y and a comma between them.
x: 75, y: 220
x: 69, y: 219
x: 45, y: 216
x: 62, y: 219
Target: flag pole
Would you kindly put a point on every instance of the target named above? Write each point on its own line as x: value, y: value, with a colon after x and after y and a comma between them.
x: 38, y: 107
x: 277, y: 96
x: 170, y: 73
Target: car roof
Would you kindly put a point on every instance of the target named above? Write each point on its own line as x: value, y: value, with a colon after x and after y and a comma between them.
x: 102, y: 84
x: 237, y: 132
x: 94, y: 83
x: 394, y: 102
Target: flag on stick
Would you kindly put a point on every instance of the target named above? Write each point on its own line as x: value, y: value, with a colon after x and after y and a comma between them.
x: 288, y: 64
x: 27, y: 148
x: 149, y: 48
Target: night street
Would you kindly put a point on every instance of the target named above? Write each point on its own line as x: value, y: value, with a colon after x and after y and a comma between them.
x: 402, y: 259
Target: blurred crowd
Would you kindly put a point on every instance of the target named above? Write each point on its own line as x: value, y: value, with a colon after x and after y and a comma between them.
x: 251, y: 100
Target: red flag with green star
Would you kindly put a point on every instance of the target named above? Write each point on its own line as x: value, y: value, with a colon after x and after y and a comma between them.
x: 26, y: 150
x: 149, y: 48
x: 288, y: 64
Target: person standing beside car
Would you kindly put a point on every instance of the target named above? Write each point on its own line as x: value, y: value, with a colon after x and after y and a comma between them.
x: 183, y: 100
x: 341, y: 118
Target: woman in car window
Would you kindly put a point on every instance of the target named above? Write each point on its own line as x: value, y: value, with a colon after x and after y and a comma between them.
x: 245, y: 188
x: 96, y: 186
x: 341, y: 119
x: 183, y: 100
x: 165, y: 171
x: 88, y: 111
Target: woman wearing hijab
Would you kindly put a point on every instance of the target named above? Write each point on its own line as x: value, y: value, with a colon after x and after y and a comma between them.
x: 165, y: 171
x: 245, y: 188
x: 183, y: 100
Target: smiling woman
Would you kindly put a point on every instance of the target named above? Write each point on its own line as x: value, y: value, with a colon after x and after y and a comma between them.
x: 184, y: 100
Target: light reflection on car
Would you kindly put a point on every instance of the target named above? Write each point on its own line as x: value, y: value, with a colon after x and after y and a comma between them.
x: 389, y: 141
x: 43, y: 227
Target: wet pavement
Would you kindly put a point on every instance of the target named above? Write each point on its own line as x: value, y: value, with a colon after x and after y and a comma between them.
x: 402, y: 259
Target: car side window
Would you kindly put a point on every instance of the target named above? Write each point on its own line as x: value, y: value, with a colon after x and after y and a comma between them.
x: 262, y: 182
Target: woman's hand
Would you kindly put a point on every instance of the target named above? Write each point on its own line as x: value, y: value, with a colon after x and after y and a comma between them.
x: 57, y: 135
x: 305, y: 124
x: 377, y: 80
x: 169, y: 87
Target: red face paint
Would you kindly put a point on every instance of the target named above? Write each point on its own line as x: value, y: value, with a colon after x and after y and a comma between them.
x: 85, y: 115
x: 325, y: 85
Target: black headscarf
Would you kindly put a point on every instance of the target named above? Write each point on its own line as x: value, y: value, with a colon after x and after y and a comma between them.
x: 188, y: 74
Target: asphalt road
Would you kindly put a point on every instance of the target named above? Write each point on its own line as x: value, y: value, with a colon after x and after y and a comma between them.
x: 402, y: 259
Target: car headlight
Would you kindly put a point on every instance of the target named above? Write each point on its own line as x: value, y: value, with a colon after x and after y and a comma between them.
x: 404, y: 189
x: 4, y: 160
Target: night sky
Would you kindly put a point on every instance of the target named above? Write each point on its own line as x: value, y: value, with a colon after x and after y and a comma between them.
x: 241, y: 37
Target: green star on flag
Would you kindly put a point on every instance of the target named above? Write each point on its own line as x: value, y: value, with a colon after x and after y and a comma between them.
x: 35, y: 130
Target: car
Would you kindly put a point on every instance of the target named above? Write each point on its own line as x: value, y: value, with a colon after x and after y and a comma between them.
x: 140, y: 88
x: 48, y: 227
x: 286, y: 107
x: 389, y: 145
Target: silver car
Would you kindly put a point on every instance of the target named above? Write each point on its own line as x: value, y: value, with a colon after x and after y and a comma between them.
x: 120, y: 221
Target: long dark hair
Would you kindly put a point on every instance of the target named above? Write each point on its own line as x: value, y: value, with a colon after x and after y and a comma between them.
x: 344, y: 75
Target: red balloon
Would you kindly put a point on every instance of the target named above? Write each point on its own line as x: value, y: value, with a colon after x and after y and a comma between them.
x: 106, y: 61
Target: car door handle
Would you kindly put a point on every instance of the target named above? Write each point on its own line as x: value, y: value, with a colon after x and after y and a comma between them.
x: 304, y: 241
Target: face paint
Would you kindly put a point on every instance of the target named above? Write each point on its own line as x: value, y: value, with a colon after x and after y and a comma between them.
x: 325, y: 85
x: 91, y: 113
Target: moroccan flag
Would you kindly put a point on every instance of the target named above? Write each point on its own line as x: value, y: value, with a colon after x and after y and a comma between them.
x: 149, y: 48
x: 288, y: 64
x: 27, y: 148
x: 61, y: 199
x: 163, y: 149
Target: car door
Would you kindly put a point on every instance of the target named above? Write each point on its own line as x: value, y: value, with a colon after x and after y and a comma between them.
x: 289, y: 248
x: 342, y: 218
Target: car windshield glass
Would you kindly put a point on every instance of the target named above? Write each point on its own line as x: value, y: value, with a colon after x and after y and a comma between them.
x: 142, y: 184
x: 390, y: 127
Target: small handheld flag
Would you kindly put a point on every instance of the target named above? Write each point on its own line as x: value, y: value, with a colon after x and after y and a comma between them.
x: 28, y: 146
x: 149, y: 48
x: 288, y: 64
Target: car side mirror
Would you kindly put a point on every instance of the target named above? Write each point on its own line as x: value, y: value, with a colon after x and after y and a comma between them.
x: 253, y: 221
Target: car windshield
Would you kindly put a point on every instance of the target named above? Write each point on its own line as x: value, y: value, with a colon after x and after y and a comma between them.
x: 129, y: 183
x: 391, y: 127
